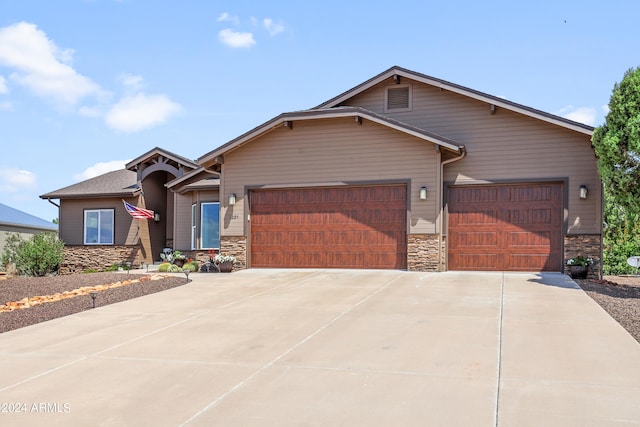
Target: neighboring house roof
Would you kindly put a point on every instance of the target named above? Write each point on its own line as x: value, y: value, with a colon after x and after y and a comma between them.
x: 452, y: 87
x: 339, y: 112
x: 14, y: 217
x: 119, y: 183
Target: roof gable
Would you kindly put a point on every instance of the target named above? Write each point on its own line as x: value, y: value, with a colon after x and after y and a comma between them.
x: 358, y: 113
x: 159, y: 159
x: 400, y: 74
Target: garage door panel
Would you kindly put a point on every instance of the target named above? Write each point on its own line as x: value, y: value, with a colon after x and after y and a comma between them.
x: 346, y: 227
x: 521, y: 230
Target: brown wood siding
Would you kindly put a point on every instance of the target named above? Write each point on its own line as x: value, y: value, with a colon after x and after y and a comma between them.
x: 506, y: 228
x: 346, y: 227
x: 503, y: 147
x: 72, y: 220
x: 182, y: 236
x: 332, y: 151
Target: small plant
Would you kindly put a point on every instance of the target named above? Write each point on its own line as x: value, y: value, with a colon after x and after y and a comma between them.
x: 164, y: 267
x: 171, y: 256
x: 580, y: 260
x: 219, y: 258
x: 191, y: 266
x: 174, y: 269
x: 89, y: 270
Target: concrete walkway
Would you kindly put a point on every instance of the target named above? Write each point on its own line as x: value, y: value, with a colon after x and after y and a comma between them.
x: 330, y: 348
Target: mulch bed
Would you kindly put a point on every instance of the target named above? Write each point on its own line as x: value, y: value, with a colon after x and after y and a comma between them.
x: 17, y: 288
x: 620, y: 297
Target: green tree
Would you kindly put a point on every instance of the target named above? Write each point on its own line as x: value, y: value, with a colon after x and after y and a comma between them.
x: 617, y: 145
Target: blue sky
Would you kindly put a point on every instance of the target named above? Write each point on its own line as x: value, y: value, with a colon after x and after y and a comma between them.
x: 86, y: 85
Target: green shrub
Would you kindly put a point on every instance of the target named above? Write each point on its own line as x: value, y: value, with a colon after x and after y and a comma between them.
x: 191, y: 266
x: 173, y: 269
x: 164, y: 267
x: 90, y: 270
x: 41, y: 255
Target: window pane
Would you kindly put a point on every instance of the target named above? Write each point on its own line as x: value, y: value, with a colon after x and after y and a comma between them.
x: 210, y: 226
x: 91, y: 227
x: 106, y: 227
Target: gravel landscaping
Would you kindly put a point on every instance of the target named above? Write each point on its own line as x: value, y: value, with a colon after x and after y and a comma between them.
x: 16, y: 288
x: 619, y: 296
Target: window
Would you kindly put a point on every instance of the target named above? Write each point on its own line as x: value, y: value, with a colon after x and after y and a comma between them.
x: 98, y: 227
x: 210, y: 226
x: 194, y: 224
x: 397, y: 98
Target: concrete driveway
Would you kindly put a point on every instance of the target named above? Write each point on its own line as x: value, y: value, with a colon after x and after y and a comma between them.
x: 330, y: 348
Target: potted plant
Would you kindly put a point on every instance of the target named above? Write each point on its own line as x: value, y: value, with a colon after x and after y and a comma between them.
x: 173, y: 257
x: 224, y: 262
x: 579, y: 266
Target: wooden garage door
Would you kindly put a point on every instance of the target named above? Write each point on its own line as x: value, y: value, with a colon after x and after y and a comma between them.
x: 345, y: 227
x: 506, y: 228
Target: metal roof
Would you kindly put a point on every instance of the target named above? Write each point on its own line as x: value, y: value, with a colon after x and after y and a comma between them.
x: 15, y: 217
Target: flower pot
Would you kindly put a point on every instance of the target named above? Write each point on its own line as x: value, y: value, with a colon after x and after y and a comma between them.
x: 578, y: 271
x: 225, y: 267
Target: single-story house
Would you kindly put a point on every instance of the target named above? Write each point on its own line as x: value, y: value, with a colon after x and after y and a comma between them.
x: 404, y: 171
x: 26, y: 225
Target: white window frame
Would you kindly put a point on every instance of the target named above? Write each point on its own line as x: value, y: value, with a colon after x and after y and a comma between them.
x: 84, y: 226
x: 201, y: 227
x: 194, y: 225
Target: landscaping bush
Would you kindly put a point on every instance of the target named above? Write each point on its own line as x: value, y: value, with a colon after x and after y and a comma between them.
x: 192, y: 266
x: 164, y: 267
x: 41, y: 255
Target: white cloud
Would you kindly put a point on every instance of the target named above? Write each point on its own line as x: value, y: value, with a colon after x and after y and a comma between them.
x: 3, y: 85
x: 225, y: 17
x: 139, y: 112
x: 605, y: 109
x: 236, y: 39
x: 584, y: 115
x: 13, y: 180
x: 6, y: 106
x: 134, y: 82
x: 41, y: 66
x: 101, y: 168
x: 272, y: 27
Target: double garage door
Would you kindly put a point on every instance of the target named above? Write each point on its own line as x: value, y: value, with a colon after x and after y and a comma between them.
x: 506, y: 228
x: 491, y: 228
x: 342, y: 227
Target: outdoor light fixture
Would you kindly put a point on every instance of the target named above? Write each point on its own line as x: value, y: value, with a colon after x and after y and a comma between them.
x: 186, y: 273
x: 93, y: 298
x: 232, y: 199
x: 156, y: 217
x: 583, y: 191
x: 423, y: 193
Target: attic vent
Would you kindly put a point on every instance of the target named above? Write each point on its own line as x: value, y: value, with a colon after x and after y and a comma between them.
x: 398, y: 98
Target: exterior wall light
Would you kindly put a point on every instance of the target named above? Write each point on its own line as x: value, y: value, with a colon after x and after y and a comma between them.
x: 156, y: 217
x: 583, y: 191
x: 232, y: 199
x: 423, y: 193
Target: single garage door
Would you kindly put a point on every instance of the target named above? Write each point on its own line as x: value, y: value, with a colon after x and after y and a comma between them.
x: 506, y: 227
x: 344, y: 227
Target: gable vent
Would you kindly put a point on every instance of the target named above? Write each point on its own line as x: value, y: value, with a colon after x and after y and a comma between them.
x: 398, y: 98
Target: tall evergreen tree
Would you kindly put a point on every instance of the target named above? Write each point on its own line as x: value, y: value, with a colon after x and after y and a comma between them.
x: 617, y: 143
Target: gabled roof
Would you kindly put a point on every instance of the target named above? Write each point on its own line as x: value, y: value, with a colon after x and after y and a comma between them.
x: 208, y: 177
x: 157, y: 151
x: 452, y: 87
x: 328, y: 113
x: 14, y: 217
x: 119, y: 183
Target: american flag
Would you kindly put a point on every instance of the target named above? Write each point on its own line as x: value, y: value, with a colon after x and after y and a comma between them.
x: 138, y: 213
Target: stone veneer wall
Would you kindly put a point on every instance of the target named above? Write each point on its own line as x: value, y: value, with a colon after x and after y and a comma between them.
x: 588, y: 245
x: 422, y: 252
x: 99, y: 257
x: 236, y: 246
